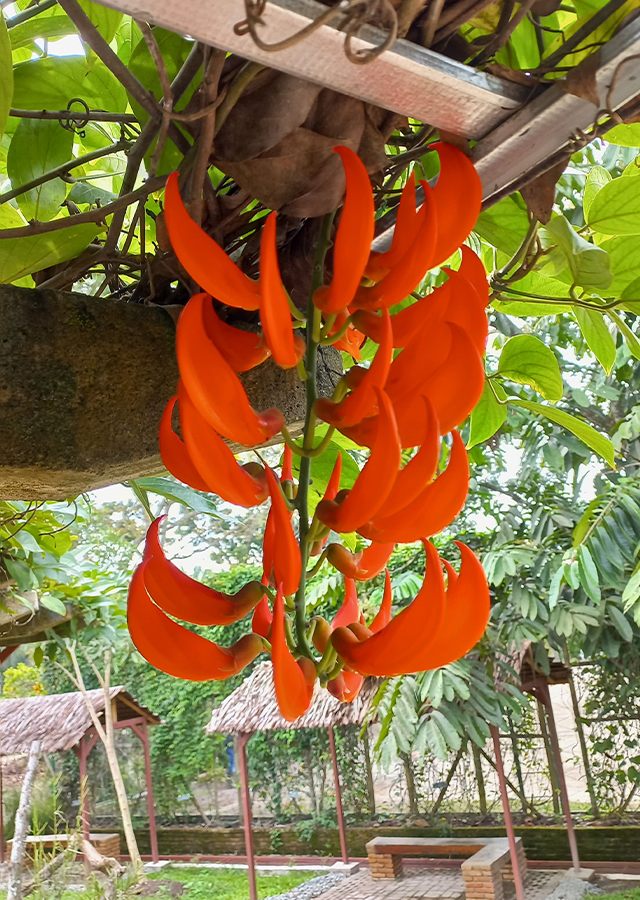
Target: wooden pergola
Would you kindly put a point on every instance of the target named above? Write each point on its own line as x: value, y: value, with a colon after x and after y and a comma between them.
x: 62, y: 722
x: 253, y: 707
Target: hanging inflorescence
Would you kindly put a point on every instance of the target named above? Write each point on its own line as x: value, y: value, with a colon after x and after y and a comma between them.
x: 408, y: 401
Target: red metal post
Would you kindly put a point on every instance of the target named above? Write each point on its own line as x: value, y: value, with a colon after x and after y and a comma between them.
x: 246, y: 809
x: 1, y: 818
x: 511, y: 835
x: 339, y: 811
x: 6, y: 652
x: 150, y: 804
x: 564, y: 794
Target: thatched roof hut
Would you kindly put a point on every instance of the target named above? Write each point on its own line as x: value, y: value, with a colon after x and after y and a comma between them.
x: 59, y: 721
x: 253, y: 707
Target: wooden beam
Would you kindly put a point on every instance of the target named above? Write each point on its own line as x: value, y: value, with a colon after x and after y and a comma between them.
x: 407, y: 79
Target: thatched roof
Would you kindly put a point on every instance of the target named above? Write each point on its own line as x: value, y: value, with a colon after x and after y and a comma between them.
x: 59, y: 720
x: 253, y: 707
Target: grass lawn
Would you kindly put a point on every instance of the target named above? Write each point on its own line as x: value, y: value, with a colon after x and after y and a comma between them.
x: 210, y: 884
x: 231, y: 884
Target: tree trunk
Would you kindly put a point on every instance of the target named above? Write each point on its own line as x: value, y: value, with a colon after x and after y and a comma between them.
x: 106, y: 735
x: 583, y: 742
x: 371, y: 793
x: 21, y: 830
x: 482, y: 793
x: 447, y: 782
x: 411, y: 783
x: 516, y: 762
x: 308, y: 761
x: 553, y: 777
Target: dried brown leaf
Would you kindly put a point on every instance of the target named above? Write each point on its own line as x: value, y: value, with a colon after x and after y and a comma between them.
x: 263, y: 117
x: 582, y: 81
x: 540, y: 194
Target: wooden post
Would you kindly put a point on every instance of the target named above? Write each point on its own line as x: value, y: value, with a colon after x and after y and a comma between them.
x: 1, y: 818
x: 339, y: 811
x: 246, y: 810
x: 151, y: 809
x: 564, y: 794
x: 508, y: 822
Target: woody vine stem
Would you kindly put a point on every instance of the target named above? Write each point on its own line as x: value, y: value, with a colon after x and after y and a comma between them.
x: 311, y: 383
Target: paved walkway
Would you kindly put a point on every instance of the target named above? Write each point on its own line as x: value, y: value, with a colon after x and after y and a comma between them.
x: 432, y: 885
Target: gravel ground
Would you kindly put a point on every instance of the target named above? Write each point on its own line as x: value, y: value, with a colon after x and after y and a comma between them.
x: 312, y: 888
x: 573, y: 889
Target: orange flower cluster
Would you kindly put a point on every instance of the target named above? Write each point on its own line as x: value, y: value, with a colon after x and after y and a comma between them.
x: 407, y: 400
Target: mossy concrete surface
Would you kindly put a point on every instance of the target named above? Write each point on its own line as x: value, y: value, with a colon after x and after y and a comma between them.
x: 83, y: 383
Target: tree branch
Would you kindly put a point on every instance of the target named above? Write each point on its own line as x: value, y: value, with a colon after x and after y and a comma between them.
x: 70, y: 115
x: 92, y: 37
x: 94, y: 215
x: 64, y: 169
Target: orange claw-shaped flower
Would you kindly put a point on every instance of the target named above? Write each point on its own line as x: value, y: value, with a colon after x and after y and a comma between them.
x: 269, y: 537
x: 353, y: 237
x: 433, y: 509
x: 363, y: 565
x: 346, y: 686
x: 176, y: 650
x: 293, y: 680
x: 467, y: 310
x: 414, y: 477
x: 242, y: 485
x: 187, y: 599
x: 287, y: 348
x: 454, y: 389
x: 394, y: 649
x: 425, y: 314
x: 383, y: 616
x: 373, y: 484
x: 214, y: 387
x: 287, y: 563
x: 361, y: 401
x: 174, y: 454
x: 243, y: 350
x: 467, y: 610
x: 458, y: 198
x: 203, y: 258
x: 262, y: 618
x: 412, y: 266
x: 349, y: 612
x: 404, y: 234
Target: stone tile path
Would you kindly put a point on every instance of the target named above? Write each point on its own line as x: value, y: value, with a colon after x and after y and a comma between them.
x: 425, y: 884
